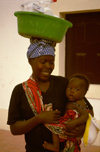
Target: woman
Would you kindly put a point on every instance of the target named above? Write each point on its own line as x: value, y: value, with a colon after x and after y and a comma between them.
x: 21, y: 118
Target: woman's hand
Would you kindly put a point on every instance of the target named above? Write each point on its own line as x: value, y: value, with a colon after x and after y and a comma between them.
x: 76, y: 132
x: 49, y: 116
x: 22, y: 127
x: 70, y: 124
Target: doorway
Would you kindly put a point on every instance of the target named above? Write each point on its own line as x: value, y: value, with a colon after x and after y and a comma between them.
x: 82, y: 54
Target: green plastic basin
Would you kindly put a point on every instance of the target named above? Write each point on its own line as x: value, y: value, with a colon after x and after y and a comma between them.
x: 38, y: 25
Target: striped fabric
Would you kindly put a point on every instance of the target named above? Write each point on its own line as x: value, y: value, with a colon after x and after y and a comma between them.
x: 33, y: 95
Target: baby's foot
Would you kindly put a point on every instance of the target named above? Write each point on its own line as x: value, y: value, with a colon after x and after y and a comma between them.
x: 50, y: 146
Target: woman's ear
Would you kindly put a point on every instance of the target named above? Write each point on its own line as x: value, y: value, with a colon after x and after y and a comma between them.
x: 29, y: 61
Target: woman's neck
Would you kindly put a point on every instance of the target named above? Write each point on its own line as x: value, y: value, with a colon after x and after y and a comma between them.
x: 44, y: 86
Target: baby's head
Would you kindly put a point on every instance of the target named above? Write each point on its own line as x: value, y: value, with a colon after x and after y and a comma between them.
x: 78, y: 85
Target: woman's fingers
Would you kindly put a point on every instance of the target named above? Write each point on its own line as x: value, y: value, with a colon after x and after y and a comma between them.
x: 49, y: 116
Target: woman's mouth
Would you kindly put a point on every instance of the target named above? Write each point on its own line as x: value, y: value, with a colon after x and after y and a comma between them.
x: 45, y: 73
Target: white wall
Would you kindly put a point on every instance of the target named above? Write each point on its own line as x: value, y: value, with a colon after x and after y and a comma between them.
x: 77, y: 5
x: 14, y: 67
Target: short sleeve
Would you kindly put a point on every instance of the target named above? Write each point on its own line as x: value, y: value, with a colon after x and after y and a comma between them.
x: 14, y: 112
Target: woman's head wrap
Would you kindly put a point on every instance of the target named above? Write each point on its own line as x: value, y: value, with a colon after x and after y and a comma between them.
x: 40, y: 47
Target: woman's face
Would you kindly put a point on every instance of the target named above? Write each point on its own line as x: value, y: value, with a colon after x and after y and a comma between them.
x: 42, y: 67
x: 76, y: 89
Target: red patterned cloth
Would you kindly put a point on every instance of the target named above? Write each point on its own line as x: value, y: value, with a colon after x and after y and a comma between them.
x: 59, y: 128
x: 33, y: 94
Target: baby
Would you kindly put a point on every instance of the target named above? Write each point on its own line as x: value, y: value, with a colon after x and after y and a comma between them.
x: 77, y: 110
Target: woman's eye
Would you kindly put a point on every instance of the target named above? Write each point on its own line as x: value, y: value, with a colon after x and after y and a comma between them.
x: 51, y: 62
x: 42, y: 62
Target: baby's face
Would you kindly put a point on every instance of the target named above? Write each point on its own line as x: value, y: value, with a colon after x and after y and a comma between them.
x: 76, y: 89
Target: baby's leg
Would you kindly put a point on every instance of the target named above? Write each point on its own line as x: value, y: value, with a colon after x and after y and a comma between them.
x: 72, y: 146
x: 52, y: 146
x: 68, y: 146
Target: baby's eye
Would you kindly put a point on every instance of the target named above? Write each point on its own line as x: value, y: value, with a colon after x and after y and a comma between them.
x: 77, y: 89
x: 69, y: 88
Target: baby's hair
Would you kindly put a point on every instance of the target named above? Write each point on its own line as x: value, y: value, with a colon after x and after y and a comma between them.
x: 82, y: 77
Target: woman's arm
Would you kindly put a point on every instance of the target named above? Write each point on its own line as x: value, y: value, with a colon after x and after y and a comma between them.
x: 78, y: 131
x: 22, y: 127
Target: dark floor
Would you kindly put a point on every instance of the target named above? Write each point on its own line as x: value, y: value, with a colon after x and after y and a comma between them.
x: 10, y: 143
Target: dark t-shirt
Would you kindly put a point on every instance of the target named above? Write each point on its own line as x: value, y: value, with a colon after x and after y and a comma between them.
x: 19, y: 109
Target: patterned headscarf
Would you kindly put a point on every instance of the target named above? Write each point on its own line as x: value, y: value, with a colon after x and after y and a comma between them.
x: 40, y: 47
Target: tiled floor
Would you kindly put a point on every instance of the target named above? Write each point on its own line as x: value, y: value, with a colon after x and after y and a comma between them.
x: 90, y: 148
x: 10, y: 143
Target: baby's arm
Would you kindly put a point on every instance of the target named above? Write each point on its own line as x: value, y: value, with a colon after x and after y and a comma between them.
x: 78, y: 121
